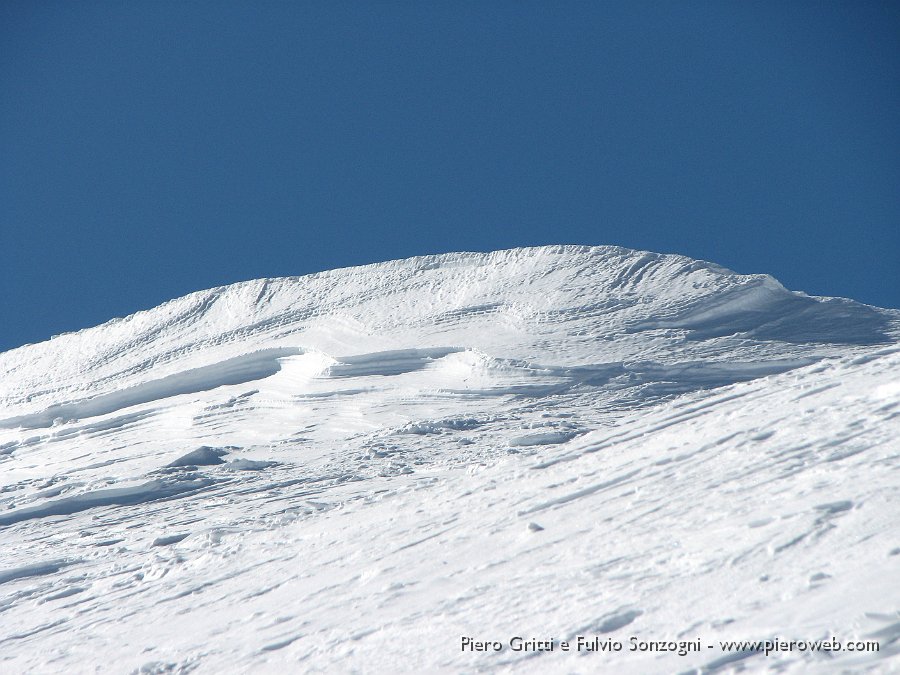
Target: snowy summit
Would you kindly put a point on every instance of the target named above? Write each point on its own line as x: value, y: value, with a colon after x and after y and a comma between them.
x: 556, y: 459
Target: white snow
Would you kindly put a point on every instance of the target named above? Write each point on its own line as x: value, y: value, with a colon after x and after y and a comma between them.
x: 353, y: 471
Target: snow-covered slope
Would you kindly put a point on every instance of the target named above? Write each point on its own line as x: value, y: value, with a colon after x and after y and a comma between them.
x: 356, y: 469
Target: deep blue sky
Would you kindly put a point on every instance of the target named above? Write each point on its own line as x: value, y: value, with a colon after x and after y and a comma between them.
x: 150, y: 149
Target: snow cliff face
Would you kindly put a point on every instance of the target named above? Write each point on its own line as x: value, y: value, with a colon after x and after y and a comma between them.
x: 359, y: 468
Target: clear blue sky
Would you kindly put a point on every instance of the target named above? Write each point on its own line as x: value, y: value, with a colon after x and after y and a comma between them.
x: 150, y: 149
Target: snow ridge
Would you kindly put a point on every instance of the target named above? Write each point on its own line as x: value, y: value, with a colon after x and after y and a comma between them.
x: 601, y: 291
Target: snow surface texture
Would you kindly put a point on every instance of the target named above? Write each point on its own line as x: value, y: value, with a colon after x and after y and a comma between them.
x: 353, y: 470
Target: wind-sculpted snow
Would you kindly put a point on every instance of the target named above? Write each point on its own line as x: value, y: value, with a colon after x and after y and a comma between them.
x: 152, y: 490
x: 764, y: 311
x: 354, y: 470
x: 237, y: 370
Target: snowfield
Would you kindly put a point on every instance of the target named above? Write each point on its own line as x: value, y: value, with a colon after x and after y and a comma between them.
x: 400, y: 467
